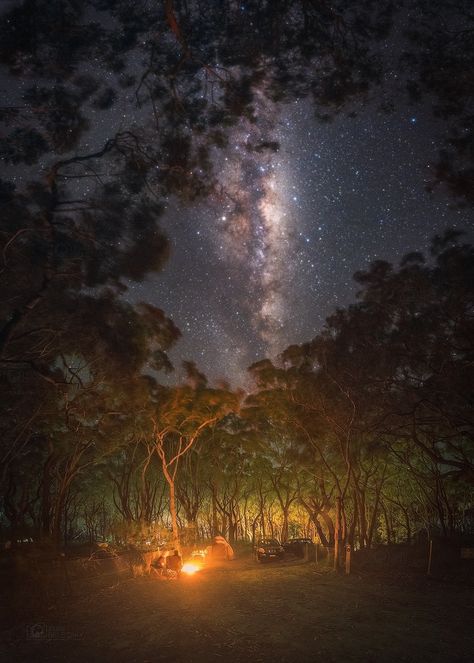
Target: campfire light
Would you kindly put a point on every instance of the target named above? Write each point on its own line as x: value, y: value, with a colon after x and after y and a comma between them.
x: 190, y: 568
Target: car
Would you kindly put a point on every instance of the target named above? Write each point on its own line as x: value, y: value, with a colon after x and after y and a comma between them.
x: 266, y: 549
x: 297, y: 547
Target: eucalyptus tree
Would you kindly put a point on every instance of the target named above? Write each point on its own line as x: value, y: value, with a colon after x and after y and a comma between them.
x: 71, y: 406
x: 179, y: 417
x: 410, y: 402
x: 297, y: 398
x: 227, y: 463
x: 427, y: 352
x: 115, y: 108
x: 438, y: 58
x: 213, y: 485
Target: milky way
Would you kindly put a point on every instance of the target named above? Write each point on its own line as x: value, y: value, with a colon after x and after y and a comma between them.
x: 255, y: 232
x: 261, y: 263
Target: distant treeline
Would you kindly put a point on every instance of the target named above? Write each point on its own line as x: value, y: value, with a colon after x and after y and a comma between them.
x: 363, y: 435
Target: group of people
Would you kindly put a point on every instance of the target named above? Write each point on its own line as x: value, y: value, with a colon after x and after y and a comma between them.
x: 168, y: 566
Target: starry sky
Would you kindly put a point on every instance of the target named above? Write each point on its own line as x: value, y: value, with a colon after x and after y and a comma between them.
x: 260, y: 266
x: 262, y: 262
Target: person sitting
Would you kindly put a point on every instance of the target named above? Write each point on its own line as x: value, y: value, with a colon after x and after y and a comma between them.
x: 174, y: 563
x: 158, y: 566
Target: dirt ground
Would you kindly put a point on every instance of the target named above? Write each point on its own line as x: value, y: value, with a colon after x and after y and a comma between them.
x: 240, y: 611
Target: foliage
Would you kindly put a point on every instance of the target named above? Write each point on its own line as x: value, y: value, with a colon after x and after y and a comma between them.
x: 374, y: 413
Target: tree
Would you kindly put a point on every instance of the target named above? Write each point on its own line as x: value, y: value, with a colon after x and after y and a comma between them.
x: 410, y: 401
x: 439, y: 57
x: 182, y: 415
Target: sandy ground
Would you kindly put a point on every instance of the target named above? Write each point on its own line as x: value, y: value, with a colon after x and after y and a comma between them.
x: 242, y: 611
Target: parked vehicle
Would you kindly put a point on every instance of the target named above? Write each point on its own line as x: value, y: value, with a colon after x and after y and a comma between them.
x: 267, y: 549
x: 297, y: 547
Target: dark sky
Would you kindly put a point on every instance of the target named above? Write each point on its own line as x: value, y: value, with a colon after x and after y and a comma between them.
x: 260, y: 265
x: 242, y: 284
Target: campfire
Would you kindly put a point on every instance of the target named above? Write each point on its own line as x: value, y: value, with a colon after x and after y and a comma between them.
x: 190, y: 568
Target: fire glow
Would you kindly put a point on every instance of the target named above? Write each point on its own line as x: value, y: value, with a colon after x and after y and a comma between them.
x: 190, y: 568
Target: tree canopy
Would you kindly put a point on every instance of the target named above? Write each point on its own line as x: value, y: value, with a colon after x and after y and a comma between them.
x: 117, y: 107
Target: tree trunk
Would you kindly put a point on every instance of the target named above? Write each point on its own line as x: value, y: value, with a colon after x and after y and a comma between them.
x: 45, y: 527
x: 215, y: 527
x: 284, y: 528
x: 407, y: 524
x: 322, y: 537
x: 173, y: 513
x: 388, y: 526
x: 352, y: 529
x: 328, y: 521
x: 337, y: 534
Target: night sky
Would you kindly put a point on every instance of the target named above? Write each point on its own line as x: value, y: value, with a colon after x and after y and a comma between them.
x: 262, y: 265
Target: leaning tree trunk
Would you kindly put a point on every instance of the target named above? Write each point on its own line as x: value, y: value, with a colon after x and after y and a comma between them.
x: 173, y: 513
x: 322, y: 536
x: 328, y: 521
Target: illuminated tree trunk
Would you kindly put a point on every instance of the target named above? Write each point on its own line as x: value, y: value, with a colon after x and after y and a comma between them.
x: 322, y: 537
x: 174, y: 519
x: 361, y: 506
x: 337, y: 534
x: 355, y: 518
x: 170, y: 464
x: 284, y: 527
x: 388, y: 525
x: 330, y: 527
x: 170, y: 480
x: 215, y: 525
x: 373, y: 520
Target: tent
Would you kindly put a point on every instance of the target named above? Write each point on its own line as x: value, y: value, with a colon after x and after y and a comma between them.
x: 220, y: 549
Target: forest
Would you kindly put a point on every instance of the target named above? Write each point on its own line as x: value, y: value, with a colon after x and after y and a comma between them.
x: 362, y: 435
x: 372, y: 417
